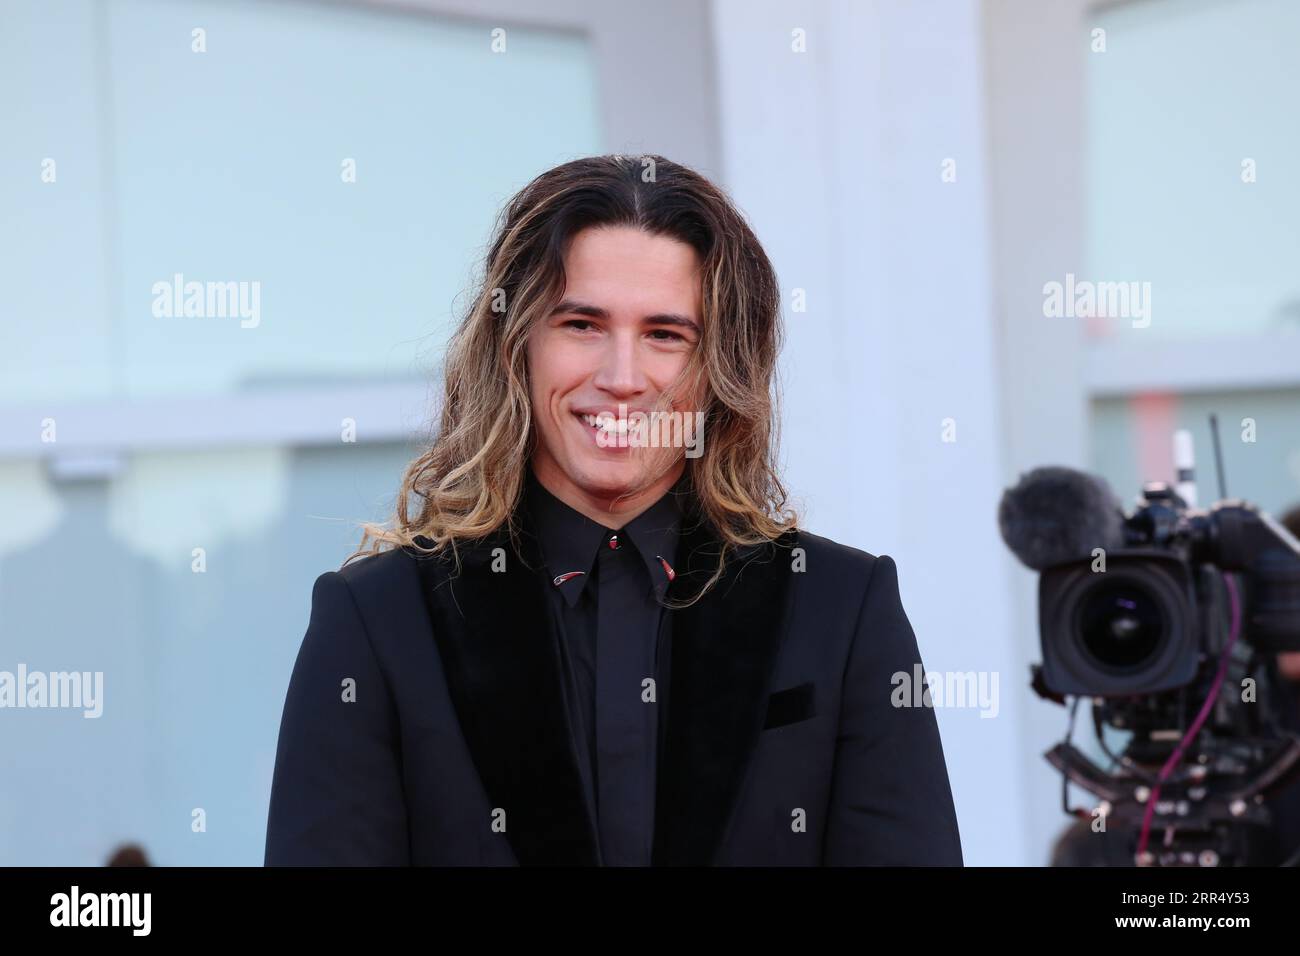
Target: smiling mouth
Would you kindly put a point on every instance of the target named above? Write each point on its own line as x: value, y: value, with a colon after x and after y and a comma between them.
x: 606, y: 432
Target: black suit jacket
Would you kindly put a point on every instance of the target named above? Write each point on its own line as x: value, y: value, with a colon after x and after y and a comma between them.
x: 782, y: 746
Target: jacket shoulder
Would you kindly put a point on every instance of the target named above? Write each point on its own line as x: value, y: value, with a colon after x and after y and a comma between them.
x: 381, y: 576
x: 834, y: 554
x: 841, y: 575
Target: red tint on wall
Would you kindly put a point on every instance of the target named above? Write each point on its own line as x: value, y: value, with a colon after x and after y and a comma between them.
x: 1154, y: 421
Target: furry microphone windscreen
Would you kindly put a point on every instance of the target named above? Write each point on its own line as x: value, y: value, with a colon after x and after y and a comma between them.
x: 1055, y: 515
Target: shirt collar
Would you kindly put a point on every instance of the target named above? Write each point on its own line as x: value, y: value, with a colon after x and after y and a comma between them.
x: 571, y: 541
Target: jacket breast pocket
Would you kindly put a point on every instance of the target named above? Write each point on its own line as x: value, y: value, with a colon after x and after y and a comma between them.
x: 789, y: 706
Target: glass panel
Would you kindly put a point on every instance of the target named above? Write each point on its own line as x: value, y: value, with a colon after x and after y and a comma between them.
x: 233, y: 165
x: 1190, y: 98
x: 195, y: 664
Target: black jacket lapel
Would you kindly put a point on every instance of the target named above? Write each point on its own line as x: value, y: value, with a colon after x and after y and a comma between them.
x: 503, y: 671
x: 724, y: 650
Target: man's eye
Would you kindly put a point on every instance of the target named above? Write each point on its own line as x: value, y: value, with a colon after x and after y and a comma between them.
x: 576, y: 322
x: 672, y: 336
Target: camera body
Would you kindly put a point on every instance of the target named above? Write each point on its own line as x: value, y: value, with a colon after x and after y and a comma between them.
x: 1168, y: 621
x: 1141, y: 619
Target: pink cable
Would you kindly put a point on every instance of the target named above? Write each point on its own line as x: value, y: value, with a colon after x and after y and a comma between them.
x: 1192, y: 731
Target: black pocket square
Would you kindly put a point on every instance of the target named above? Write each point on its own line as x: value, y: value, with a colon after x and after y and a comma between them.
x: 789, y: 706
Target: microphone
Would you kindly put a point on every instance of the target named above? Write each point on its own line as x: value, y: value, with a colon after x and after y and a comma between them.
x: 1056, y: 515
x: 1185, y: 467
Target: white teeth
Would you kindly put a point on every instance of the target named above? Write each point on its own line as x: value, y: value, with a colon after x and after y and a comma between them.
x: 607, y: 424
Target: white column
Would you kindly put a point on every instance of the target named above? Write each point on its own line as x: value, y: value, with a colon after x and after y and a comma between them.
x: 837, y: 156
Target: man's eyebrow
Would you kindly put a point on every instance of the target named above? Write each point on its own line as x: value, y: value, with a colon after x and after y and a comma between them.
x: 574, y: 307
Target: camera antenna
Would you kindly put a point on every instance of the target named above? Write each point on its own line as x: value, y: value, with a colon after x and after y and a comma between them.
x: 1218, y: 456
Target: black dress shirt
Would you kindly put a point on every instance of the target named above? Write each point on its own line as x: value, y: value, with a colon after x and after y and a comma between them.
x: 606, y: 591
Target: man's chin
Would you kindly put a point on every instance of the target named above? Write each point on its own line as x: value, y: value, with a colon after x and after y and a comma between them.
x: 610, y: 486
x: 610, y: 481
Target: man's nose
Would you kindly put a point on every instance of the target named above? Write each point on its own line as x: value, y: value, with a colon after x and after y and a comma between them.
x: 620, y: 371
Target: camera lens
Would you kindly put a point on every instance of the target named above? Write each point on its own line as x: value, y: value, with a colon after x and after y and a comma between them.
x: 1130, y: 628
x: 1120, y: 624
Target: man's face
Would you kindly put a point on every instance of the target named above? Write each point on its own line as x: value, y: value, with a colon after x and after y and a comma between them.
x: 625, y: 328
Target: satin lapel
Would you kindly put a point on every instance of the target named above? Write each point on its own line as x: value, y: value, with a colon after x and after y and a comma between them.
x: 724, y: 650
x: 503, y: 671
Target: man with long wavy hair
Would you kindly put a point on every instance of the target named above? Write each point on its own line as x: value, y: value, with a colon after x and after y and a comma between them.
x: 593, y: 633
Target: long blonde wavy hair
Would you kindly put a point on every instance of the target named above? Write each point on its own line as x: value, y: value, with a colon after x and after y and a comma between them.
x: 469, y: 481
